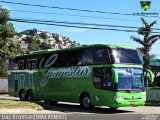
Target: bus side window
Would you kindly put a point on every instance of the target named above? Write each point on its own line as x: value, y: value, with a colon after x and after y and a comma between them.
x: 87, y: 57
x: 20, y: 64
x: 100, y: 56
x: 71, y: 58
x: 11, y: 65
x: 31, y: 62
x: 15, y: 66
x: 102, y: 78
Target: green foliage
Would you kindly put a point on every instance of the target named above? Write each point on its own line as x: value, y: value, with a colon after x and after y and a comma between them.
x: 7, y: 31
x: 34, y: 46
x: 147, y: 41
x: 43, y: 35
x: 13, y: 104
x: 4, y: 16
x: 44, y: 46
x: 8, y: 48
x: 30, y: 32
x: 29, y: 39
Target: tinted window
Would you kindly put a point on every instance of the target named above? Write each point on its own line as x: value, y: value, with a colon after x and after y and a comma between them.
x: 61, y: 59
x: 87, y: 57
x: 31, y: 62
x: 120, y: 55
x: 100, y: 55
x: 11, y: 65
x: 19, y: 63
x: 69, y: 58
x: 102, y: 78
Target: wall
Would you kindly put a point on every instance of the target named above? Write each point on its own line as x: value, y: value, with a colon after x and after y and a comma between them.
x: 3, y: 85
x: 153, y: 94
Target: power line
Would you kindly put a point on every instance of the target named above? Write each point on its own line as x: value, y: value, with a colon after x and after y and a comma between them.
x: 74, y: 15
x: 75, y: 26
x: 80, y: 23
x: 64, y: 25
x: 62, y: 8
x: 74, y: 9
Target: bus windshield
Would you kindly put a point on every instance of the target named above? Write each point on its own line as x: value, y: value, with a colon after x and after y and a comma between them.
x: 121, y: 55
x: 130, y: 79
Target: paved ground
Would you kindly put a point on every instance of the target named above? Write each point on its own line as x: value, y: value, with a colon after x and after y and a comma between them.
x: 74, y: 112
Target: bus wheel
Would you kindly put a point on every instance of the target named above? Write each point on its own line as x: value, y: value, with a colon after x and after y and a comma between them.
x: 22, y: 95
x: 53, y: 102
x: 113, y: 108
x: 29, y: 96
x: 85, y: 101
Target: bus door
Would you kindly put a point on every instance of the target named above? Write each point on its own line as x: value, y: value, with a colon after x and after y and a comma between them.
x: 103, y: 83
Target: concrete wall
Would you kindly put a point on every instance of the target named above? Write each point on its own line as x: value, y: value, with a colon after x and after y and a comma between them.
x: 3, y: 85
x: 153, y: 94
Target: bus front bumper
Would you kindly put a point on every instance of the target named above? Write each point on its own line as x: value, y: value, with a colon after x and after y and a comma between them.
x: 123, y: 103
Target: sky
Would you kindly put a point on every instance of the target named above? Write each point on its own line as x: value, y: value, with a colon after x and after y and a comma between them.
x: 88, y: 36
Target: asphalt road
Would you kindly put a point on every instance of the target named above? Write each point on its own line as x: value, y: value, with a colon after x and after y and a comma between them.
x: 74, y: 112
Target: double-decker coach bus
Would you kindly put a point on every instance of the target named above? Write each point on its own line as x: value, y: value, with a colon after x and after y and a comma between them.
x: 93, y: 75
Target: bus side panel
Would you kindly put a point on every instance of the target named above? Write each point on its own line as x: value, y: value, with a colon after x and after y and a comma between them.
x: 20, y: 80
x: 12, y: 84
x: 60, y: 89
x: 99, y: 97
x: 47, y: 88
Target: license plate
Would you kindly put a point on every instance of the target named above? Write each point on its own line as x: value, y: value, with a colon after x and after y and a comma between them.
x: 132, y: 102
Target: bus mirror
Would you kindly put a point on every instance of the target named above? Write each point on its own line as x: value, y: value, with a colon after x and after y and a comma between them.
x: 115, y: 75
x: 151, y: 75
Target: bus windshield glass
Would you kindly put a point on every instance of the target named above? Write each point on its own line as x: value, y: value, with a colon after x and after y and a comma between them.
x: 130, y: 79
x: 121, y: 55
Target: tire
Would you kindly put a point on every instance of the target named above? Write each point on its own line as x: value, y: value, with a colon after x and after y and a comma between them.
x: 85, y: 101
x: 29, y: 96
x: 113, y: 108
x: 158, y: 84
x: 22, y: 96
x: 53, y: 102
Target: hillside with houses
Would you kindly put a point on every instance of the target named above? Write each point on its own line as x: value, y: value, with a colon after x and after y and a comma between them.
x: 34, y: 40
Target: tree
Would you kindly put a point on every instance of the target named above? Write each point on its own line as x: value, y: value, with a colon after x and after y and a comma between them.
x: 34, y: 46
x: 30, y: 32
x: 147, y: 42
x: 43, y: 35
x: 8, y: 48
x: 44, y: 46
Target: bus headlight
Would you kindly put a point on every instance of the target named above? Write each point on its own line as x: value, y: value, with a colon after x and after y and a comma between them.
x: 143, y: 97
x: 119, y: 98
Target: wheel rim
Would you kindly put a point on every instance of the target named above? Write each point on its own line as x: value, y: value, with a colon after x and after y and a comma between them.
x: 86, y: 102
x: 22, y: 96
x: 113, y: 108
x: 29, y: 97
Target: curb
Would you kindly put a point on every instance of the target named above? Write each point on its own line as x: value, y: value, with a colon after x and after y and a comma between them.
x: 152, y: 103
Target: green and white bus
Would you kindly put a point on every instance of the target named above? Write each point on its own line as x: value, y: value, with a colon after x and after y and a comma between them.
x: 93, y: 75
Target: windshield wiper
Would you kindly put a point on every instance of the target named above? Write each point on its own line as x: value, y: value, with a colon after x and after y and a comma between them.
x: 142, y: 88
x: 128, y: 91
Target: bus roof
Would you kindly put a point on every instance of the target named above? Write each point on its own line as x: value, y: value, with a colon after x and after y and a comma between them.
x: 68, y: 49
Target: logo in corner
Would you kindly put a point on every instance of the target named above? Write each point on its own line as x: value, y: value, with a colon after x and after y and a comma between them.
x: 145, y: 5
